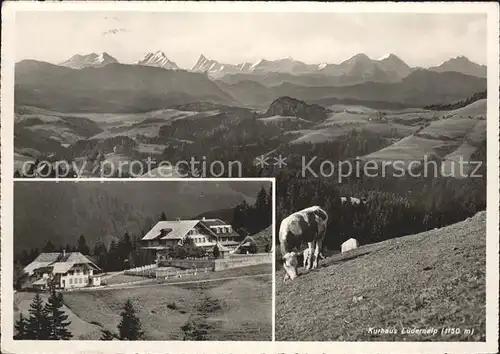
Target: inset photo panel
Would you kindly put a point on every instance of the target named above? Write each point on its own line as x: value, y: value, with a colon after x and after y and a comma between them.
x: 150, y: 260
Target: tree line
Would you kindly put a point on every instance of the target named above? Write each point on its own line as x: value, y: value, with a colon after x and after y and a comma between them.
x: 49, y: 321
x: 458, y: 104
x: 391, y: 207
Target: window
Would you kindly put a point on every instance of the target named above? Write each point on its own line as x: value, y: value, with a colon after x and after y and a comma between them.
x: 70, y: 281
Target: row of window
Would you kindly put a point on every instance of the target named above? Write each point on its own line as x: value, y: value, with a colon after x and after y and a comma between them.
x: 221, y: 229
x: 204, y: 240
x: 199, y: 239
x: 77, y: 281
x: 77, y: 272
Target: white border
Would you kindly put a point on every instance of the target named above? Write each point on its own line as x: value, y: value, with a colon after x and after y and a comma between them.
x: 492, y: 274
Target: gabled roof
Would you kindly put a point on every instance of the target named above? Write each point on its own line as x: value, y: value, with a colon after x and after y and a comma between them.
x: 43, y: 260
x: 60, y: 262
x: 178, y: 229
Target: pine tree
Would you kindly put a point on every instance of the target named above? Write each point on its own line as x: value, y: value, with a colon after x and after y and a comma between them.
x: 37, y: 326
x: 20, y: 276
x: 130, y: 327
x: 57, y: 319
x: 20, y: 327
x: 107, y: 335
x: 82, y: 245
x: 49, y: 247
x: 163, y: 216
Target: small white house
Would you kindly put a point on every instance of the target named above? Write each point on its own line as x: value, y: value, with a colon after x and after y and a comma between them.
x: 65, y: 270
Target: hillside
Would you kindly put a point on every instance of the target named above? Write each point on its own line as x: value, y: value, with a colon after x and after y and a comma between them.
x: 418, y: 89
x: 288, y: 106
x: 111, y: 88
x: 101, y: 211
x: 431, y: 279
x: 263, y: 238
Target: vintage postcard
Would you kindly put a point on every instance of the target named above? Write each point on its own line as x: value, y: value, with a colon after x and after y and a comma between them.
x: 260, y: 176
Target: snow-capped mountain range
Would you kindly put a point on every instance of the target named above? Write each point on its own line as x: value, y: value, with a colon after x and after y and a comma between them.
x: 387, y: 68
x: 159, y: 60
x: 92, y: 60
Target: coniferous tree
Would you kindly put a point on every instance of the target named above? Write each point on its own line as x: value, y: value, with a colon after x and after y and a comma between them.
x: 49, y: 247
x: 130, y: 327
x: 57, y: 319
x: 163, y: 216
x: 37, y: 326
x: 101, y: 255
x: 20, y: 276
x: 107, y: 335
x: 113, y: 262
x: 20, y: 328
x: 82, y: 247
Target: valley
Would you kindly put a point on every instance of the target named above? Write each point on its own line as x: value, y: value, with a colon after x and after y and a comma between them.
x: 132, y: 142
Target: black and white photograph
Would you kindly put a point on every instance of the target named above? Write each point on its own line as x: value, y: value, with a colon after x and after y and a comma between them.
x: 316, y: 177
x: 146, y: 260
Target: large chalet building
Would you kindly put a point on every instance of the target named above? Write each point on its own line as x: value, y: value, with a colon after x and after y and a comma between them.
x: 205, y: 233
x: 65, y: 270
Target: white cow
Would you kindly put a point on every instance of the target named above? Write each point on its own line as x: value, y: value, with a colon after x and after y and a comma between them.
x: 349, y: 245
x: 307, y: 225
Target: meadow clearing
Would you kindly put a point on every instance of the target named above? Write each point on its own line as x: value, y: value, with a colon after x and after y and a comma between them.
x: 238, y: 308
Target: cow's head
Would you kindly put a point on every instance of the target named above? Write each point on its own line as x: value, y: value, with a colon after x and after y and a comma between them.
x: 290, y: 264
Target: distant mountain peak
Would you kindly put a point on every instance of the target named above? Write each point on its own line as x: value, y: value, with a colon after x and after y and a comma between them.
x: 360, y: 56
x: 463, y: 65
x: 213, y: 67
x: 91, y: 60
x: 158, y: 59
x: 390, y: 56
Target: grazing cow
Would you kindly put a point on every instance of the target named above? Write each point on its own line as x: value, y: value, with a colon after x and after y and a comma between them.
x: 307, y: 225
x: 350, y: 244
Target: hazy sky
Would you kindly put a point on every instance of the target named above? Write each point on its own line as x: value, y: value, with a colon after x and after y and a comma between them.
x: 418, y: 39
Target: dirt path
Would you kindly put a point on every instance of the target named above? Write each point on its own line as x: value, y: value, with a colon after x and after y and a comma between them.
x: 155, y: 284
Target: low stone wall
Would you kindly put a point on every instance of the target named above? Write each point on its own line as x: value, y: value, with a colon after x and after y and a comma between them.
x: 242, y: 260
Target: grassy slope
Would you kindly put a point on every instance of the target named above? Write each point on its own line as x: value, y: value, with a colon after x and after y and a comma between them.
x: 234, y: 309
x: 262, y: 238
x: 239, y: 308
x: 78, y: 327
x: 435, y: 278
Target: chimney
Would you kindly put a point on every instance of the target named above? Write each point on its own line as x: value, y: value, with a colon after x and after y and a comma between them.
x: 64, y: 253
x: 204, y: 219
